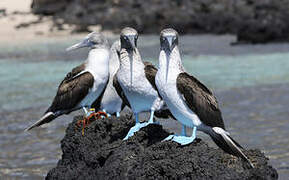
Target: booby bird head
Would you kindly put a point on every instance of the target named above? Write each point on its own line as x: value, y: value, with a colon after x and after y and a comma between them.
x: 128, y: 39
x: 168, y: 39
x: 92, y: 40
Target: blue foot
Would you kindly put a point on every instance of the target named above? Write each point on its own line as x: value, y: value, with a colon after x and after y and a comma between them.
x: 183, y: 140
x: 134, y: 129
x: 117, y: 114
x: 170, y: 137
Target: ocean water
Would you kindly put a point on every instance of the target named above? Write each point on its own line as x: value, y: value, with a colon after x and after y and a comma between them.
x: 250, y: 82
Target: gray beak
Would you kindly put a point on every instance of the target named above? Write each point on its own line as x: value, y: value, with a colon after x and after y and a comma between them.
x: 170, y: 42
x: 132, y: 42
x: 84, y: 43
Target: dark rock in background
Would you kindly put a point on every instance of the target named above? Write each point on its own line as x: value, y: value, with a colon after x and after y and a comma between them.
x: 269, y: 23
x: 252, y: 20
x: 101, y: 154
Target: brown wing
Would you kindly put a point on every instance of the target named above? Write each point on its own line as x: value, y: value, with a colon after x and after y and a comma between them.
x: 150, y: 72
x: 74, y: 72
x: 120, y: 92
x: 200, y: 100
x: 71, y: 91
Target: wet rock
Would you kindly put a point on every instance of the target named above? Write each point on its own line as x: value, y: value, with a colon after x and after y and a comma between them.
x: 102, y: 154
x: 252, y: 20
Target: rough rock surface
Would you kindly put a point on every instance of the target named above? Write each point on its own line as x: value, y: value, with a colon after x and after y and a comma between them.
x: 101, y: 154
x: 256, y: 21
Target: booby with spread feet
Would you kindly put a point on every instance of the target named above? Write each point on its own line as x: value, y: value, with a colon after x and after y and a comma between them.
x: 135, y: 80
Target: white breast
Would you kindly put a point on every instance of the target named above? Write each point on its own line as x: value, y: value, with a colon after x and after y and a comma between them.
x: 97, y: 65
x: 138, y: 90
x: 168, y: 90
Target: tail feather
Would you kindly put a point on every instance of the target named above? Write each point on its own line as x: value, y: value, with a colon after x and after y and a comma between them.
x: 46, y: 118
x: 228, y: 144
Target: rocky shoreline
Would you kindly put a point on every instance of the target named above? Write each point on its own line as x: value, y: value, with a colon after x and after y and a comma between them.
x: 253, y: 21
x: 101, y: 154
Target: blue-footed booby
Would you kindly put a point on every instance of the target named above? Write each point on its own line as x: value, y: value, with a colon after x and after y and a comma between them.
x: 190, y: 101
x: 111, y: 103
x: 85, y: 84
x: 135, y: 80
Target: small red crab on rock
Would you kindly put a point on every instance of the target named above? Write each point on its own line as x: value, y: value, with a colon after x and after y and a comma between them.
x: 92, y: 117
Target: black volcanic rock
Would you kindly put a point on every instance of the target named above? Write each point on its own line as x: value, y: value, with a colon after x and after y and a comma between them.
x: 254, y: 21
x: 102, y: 154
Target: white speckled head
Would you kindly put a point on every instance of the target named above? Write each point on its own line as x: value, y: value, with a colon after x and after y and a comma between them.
x: 169, y: 39
x: 93, y: 40
x: 128, y: 38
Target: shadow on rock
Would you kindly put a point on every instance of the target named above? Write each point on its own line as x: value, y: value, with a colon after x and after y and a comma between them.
x: 102, y: 154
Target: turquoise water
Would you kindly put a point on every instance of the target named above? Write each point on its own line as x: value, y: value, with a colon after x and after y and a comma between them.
x: 28, y: 84
x: 225, y: 72
x: 252, y: 89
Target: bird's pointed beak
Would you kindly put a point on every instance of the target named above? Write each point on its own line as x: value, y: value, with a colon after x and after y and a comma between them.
x: 84, y: 43
x: 132, y: 42
x: 170, y: 42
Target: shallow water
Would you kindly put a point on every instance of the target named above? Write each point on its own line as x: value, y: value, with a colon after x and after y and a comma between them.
x: 251, y: 84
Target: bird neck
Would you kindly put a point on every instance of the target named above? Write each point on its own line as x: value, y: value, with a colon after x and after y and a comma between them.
x: 98, y: 60
x: 170, y: 63
x: 130, y: 58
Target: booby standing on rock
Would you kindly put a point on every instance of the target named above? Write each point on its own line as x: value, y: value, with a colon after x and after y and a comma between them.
x: 135, y: 80
x: 85, y: 84
x: 190, y: 102
x: 111, y: 103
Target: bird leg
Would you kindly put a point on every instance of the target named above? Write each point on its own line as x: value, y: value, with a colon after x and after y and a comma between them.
x: 139, y: 125
x: 183, y: 139
x: 151, y: 120
x: 135, y: 128
x: 117, y: 114
x: 184, y: 131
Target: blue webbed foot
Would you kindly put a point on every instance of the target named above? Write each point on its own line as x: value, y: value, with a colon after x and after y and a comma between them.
x: 134, y: 129
x: 182, y: 139
x: 169, y: 138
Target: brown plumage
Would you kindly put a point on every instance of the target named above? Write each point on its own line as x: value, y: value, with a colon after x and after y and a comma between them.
x: 120, y: 92
x: 72, y: 90
x: 200, y: 100
x: 150, y: 72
